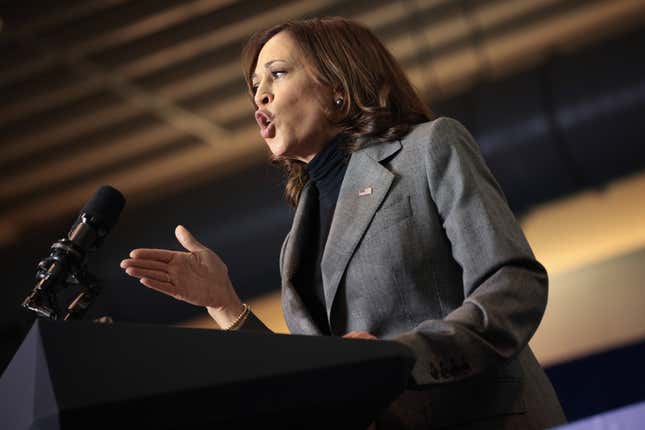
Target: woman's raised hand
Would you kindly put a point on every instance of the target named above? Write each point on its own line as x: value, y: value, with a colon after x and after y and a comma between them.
x: 198, y: 276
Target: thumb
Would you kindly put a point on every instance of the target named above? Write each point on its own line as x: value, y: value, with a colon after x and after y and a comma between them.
x: 187, y: 240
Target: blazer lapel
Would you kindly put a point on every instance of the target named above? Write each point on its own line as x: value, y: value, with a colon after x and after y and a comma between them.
x: 298, y: 319
x: 365, y: 185
x: 292, y: 252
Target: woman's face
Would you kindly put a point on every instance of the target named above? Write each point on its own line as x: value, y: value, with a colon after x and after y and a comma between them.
x: 290, y: 103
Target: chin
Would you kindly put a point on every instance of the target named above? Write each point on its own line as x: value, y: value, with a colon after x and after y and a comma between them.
x: 284, y: 148
x: 277, y: 147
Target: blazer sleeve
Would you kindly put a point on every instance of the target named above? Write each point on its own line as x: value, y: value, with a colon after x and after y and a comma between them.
x: 253, y: 323
x: 504, y: 287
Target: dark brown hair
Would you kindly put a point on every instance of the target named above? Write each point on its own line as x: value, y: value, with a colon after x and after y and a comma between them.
x: 379, y: 102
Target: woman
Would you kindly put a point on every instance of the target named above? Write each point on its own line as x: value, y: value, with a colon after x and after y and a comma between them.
x: 400, y: 232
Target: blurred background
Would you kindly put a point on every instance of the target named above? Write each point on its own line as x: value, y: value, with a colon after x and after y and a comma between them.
x: 148, y: 96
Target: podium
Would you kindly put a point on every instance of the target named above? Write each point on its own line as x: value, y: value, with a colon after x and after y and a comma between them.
x: 76, y: 374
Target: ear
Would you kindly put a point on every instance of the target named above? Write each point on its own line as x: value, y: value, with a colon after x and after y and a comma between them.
x: 339, y: 94
x: 337, y: 110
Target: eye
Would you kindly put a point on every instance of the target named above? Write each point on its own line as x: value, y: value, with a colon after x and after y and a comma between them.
x: 277, y: 74
x: 254, y: 89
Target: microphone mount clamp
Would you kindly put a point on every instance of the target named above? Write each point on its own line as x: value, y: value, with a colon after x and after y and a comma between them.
x: 63, y: 268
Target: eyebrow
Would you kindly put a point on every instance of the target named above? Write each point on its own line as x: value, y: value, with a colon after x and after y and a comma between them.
x: 266, y: 66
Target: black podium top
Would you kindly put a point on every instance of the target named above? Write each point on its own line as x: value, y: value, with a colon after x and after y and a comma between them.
x: 78, y: 374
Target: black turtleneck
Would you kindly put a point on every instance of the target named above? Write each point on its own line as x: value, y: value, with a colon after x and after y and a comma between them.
x: 326, y: 171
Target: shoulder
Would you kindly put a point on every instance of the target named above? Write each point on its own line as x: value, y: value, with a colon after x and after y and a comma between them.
x: 439, y: 142
x: 431, y: 139
x: 439, y: 131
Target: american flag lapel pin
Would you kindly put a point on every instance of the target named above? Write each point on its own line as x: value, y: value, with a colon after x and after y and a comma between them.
x: 365, y: 191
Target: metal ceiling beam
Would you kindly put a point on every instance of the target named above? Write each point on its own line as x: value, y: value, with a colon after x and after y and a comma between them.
x: 59, y: 16
x: 44, y: 138
x: 151, y: 178
x: 506, y: 54
x: 58, y: 170
x: 438, y: 34
x: 145, y: 26
x: 132, y: 31
x: 400, y: 47
x: 455, y: 72
x: 155, y: 61
x: 381, y: 16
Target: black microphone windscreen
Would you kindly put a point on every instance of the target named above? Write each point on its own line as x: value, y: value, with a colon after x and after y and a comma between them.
x: 105, y: 206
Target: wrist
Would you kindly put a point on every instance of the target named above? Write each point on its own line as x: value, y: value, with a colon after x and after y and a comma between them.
x: 225, y: 315
x: 240, y: 319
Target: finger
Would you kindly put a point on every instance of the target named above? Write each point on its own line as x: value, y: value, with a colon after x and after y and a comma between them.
x: 156, y: 275
x: 187, y: 240
x: 164, y: 255
x: 144, y: 264
x: 162, y: 287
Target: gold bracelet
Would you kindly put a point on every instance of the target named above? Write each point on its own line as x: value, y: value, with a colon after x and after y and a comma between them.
x: 240, y: 318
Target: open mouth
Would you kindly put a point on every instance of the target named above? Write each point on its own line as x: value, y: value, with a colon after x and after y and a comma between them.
x: 265, y: 121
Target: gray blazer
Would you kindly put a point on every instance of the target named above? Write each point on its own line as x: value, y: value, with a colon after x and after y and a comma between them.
x: 424, y: 250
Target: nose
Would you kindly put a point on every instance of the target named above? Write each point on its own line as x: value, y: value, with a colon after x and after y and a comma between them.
x: 263, y: 96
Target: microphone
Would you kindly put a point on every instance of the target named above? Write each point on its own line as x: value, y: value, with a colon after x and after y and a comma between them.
x: 66, y: 263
